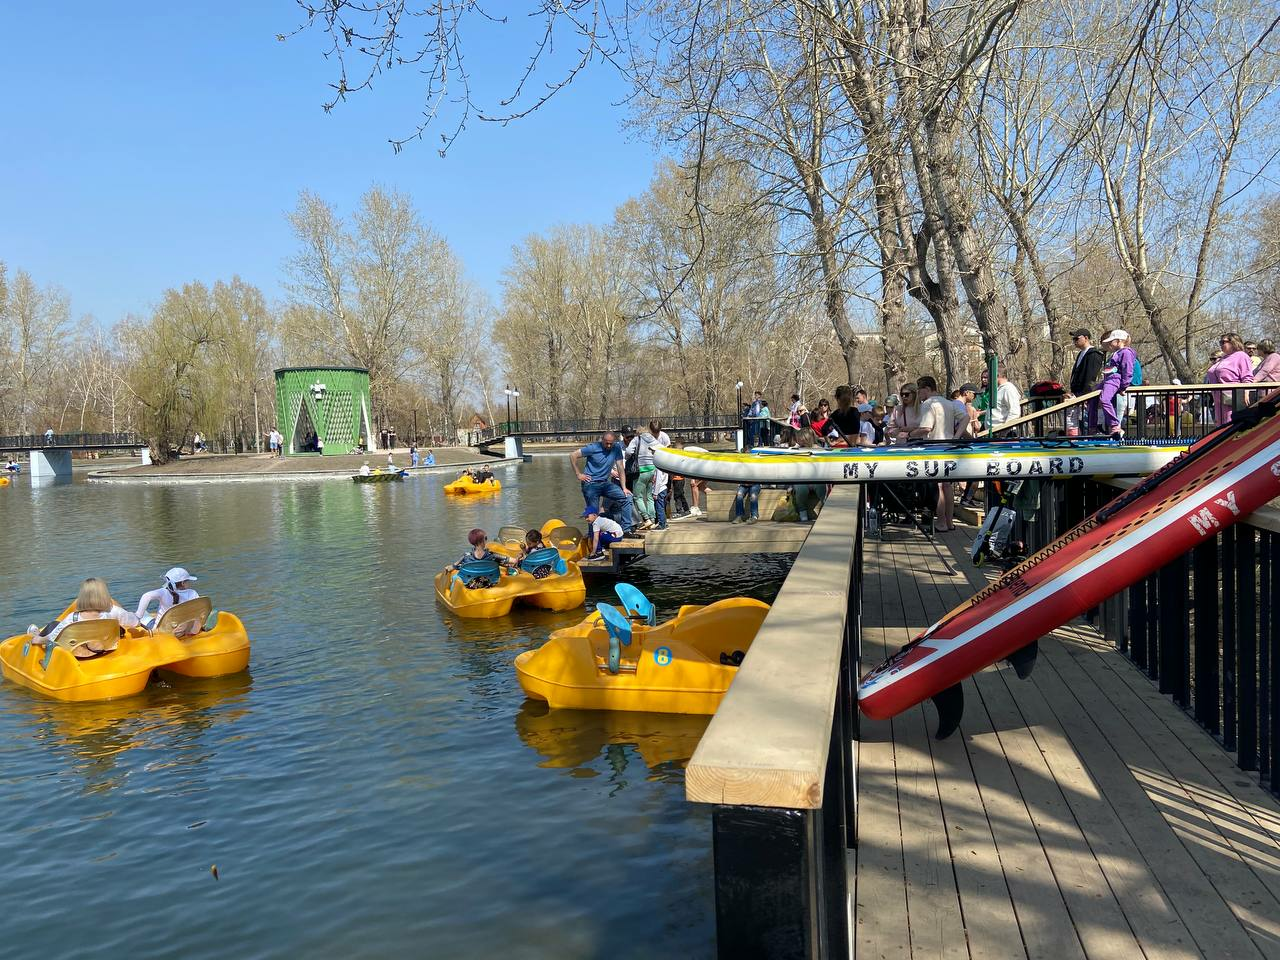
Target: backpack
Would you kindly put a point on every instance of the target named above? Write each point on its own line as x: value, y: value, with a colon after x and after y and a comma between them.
x: 1137, y: 372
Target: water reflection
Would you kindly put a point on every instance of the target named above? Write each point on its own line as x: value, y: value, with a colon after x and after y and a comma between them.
x: 572, y: 739
x: 171, y: 714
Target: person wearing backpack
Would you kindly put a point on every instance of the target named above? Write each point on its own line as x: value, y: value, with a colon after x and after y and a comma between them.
x: 640, y: 449
x: 1117, y: 376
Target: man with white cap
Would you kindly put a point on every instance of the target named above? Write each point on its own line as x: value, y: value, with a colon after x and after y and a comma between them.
x: 174, y: 591
x: 1117, y: 376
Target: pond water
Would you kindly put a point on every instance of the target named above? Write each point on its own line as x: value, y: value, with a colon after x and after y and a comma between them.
x: 375, y: 785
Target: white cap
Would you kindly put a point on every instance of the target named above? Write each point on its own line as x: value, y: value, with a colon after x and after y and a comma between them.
x: 178, y: 574
x: 1116, y: 335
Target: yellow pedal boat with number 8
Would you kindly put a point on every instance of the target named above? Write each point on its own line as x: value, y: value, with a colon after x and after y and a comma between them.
x: 482, y: 590
x: 177, y: 644
x: 610, y: 661
x: 465, y: 485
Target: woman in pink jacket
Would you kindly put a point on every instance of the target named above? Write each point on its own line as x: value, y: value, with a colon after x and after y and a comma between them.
x: 1234, y: 367
x: 1269, y: 369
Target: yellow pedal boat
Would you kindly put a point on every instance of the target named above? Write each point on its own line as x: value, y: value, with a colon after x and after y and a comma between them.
x: 672, y: 667
x: 465, y: 486
x: 134, y: 653
x: 54, y: 671
x: 545, y: 580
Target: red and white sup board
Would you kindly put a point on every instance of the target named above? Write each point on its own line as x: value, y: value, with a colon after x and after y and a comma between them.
x: 1220, y: 480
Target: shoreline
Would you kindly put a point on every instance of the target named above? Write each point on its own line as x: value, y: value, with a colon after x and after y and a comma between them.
x: 133, y: 474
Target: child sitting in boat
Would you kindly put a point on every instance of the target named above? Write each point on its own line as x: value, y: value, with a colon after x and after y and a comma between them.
x: 532, y: 541
x: 479, y: 551
x: 93, y: 602
x: 177, y: 589
x: 603, y: 532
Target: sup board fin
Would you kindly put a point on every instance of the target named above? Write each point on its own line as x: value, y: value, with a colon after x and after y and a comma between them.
x: 950, y: 704
x: 1023, y: 661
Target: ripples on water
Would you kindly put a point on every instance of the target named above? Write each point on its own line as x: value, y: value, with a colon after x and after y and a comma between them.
x: 376, y: 784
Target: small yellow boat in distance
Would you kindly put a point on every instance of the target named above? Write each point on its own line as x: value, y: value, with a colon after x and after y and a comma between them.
x: 481, y: 590
x: 466, y: 486
x: 684, y: 665
x: 54, y: 671
x: 221, y: 650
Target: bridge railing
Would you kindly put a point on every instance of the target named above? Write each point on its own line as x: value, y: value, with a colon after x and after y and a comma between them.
x: 1205, y: 627
x: 1151, y: 413
x: 96, y: 441
x: 592, y: 426
x: 776, y: 762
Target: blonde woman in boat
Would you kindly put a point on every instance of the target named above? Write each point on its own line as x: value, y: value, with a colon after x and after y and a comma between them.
x: 93, y: 602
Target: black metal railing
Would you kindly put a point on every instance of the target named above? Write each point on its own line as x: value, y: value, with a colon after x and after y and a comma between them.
x: 592, y: 426
x: 72, y: 441
x: 1155, y: 413
x: 1204, y: 627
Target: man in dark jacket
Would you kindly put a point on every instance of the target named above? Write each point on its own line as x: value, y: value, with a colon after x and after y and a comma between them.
x: 1088, y: 363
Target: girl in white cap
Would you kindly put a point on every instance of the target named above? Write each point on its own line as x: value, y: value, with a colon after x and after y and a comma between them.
x: 1117, y: 376
x: 176, y: 589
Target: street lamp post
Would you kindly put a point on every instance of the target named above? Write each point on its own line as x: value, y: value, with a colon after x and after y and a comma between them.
x: 742, y: 423
x: 516, y: 393
x: 507, y: 391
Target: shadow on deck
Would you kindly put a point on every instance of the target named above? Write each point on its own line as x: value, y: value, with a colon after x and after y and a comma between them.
x: 1076, y: 814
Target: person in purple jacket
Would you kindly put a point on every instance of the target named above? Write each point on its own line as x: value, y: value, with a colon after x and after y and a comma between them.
x: 1235, y: 366
x: 1117, y: 376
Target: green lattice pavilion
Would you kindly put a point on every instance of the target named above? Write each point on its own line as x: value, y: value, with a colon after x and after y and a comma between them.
x: 329, y: 404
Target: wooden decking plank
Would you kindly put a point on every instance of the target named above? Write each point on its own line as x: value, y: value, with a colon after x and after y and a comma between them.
x: 1134, y: 885
x: 1238, y: 857
x: 880, y: 898
x: 991, y: 920
x: 1099, y: 920
x: 933, y: 903
x: 1240, y: 786
x: 1212, y: 920
x: 1044, y: 920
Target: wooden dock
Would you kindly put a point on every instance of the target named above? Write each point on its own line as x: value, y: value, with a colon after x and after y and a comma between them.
x: 1078, y: 814
x: 696, y: 535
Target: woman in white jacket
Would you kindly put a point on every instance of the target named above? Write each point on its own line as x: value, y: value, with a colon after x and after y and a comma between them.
x: 176, y: 590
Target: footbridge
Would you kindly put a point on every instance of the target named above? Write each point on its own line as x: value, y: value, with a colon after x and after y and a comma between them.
x: 514, y: 434
x: 1122, y: 802
x: 49, y: 453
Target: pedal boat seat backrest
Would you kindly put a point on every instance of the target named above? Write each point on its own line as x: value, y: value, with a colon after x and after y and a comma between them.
x: 619, y: 629
x: 636, y: 603
x: 567, y: 539
x: 478, y: 572
x: 186, y: 618
x: 104, y: 631
x: 544, y: 562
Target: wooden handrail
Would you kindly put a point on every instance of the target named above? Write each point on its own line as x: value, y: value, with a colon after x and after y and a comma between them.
x: 767, y: 744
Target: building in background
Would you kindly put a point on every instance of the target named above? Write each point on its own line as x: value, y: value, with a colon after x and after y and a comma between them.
x: 323, y: 410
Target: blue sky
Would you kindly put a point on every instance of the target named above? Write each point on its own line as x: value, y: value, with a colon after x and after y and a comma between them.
x: 150, y: 144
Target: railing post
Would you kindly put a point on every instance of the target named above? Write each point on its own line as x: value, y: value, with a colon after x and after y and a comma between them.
x: 1272, y: 591
x: 1230, y: 606
x: 1174, y: 637
x: 1204, y: 601
x: 1137, y: 632
x: 1266, y: 652
x: 769, y: 877
x: 1247, y: 648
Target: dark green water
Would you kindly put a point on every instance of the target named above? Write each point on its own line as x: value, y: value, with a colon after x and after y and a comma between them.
x: 376, y: 784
